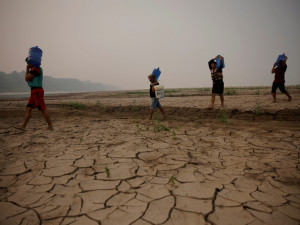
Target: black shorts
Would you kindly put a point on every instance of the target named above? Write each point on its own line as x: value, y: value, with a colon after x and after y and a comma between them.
x: 218, y: 87
x: 280, y: 86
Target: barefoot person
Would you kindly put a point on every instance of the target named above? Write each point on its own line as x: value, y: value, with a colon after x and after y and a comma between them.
x: 279, y: 79
x: 217, y: 78
x: 34, y: 77
x: 154, y: 101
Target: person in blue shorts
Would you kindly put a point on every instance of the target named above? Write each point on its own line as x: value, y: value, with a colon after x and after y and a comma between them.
x: 154, y: 101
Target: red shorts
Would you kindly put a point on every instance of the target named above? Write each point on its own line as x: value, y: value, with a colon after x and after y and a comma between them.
x: 36, y: 99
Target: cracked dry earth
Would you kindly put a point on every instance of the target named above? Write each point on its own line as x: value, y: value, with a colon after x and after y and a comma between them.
x: 243, y: 172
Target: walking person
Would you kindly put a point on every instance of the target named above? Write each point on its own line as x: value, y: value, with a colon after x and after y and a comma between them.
x: 217, y: 78
x: 154, y: 101
x: 34, y: 77
x: 279, y: 79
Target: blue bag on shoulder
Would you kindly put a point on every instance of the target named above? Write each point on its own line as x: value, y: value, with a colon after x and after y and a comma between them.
x: 156, y: 72
x: 219, y: 62
x: 280, y: 57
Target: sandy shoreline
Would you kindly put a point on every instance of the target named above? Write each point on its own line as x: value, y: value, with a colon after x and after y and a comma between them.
x: 203, y: 167
x: 242, y: 100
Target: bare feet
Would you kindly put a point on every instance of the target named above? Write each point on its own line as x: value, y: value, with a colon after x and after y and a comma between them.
x: 290, y: 99
x: 20, y: 127
x: 222, y: 106
x: 48, y: 128
x: 210, y: 107
x: 274, y: 101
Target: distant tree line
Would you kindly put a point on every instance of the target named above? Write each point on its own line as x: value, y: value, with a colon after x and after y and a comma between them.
x: 15, y: 82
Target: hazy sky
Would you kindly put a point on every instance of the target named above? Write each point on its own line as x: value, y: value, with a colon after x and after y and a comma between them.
x: 120, y: 42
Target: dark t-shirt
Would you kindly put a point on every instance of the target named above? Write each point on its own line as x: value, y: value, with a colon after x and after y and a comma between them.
x: 217, y: 74
x: 279, y: 74
x: 152, y: 93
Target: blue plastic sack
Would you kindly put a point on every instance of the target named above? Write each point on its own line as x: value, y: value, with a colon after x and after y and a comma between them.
x: 280, y: 57
x: 35, y: 56
x: 219, y: 62
x: 156, y: 72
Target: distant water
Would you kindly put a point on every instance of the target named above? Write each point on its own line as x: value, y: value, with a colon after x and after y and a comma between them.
x: 27, y: 94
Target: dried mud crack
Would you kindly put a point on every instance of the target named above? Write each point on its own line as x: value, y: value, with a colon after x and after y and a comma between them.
x: 109, y: 166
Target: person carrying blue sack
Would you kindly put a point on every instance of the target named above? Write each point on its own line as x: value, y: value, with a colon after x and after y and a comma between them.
x: 217, y: 78
x: 34, y: 78
x: 154, y: 101
x: 279, y: 69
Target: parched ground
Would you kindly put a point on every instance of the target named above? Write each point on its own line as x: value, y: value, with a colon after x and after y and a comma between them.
x: 105, y: 164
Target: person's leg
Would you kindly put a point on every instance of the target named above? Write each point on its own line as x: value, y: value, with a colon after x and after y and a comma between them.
x: 26, y: 119
x: 158, y: 105
x: 213, y: 96
x: 274, y: 97
x: 162, y: 112
x: 48, y: 120
x: 282, y: 89
x: 289, y: 96
x: 151, y: 114
x: 221, y: 93
x: 42, y: 107
x: 29, y: 107
x: 222, y: 100
x: 152, y: 107
x: 274, y: 88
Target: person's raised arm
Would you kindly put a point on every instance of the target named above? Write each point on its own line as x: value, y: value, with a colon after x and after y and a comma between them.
x: 210, y: 62
x: 273, y: 68
x: 28, y: 76
x: 221, y: 62
x: 284, y: 61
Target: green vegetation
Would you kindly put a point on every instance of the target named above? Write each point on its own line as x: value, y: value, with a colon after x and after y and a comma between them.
x: 139, y: 93
x: 251, y: 88
x: 223, y: 116
x: 138, y: 128
x: 174, y: 135
x: 172, y: 181
x: 204, y: 89
x: 75, y: 105
x: 158, y: 126
x: 257, y: 109
x: 257, y: 92
x: 288, y: 87
x: 230, y: 91
x: 164, y: 128
x: 135, y: 108
x: 106, y: 109
x: 120, y: 114
x: 156, y: 117
x: 171, y: 91
x: 107, y: 172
